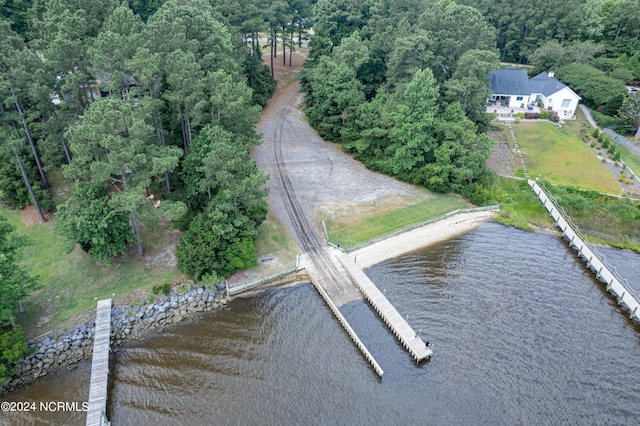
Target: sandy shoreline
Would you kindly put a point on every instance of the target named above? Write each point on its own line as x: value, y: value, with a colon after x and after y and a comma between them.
x: 421, y: 237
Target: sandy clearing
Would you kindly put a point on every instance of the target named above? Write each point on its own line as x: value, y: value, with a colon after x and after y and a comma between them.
x: 418, y: 238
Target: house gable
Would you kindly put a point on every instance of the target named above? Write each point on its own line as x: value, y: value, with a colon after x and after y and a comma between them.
x: 510, y: 81
x: 547, y: 85
x: 513, y: 89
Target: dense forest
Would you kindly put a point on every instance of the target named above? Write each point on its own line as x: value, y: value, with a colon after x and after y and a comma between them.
x: 150, y: 108
x: 403, y: 84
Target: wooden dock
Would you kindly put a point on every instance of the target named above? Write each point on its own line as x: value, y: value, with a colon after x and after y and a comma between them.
x: 345, y: 324
x: 96, y: 413
x: 400, y: 328
x: 616, y: 285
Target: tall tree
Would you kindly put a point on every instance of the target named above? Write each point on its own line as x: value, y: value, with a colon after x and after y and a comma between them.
x: 19, y: 80
x: 469, y: 85
x: 412, y: 137
x: 456, y: 29
x: 114, y: 145
x: 88, y: 220
x: 15, y: 282
x: 222, y: 180
x: 63, y: 31
x: 629, y: 113
x: 115, y: 45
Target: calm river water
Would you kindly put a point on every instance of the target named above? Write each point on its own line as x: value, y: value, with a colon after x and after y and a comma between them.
x: 522, y: 334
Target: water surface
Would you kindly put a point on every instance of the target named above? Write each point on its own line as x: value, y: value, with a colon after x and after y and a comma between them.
x: 522, y: 334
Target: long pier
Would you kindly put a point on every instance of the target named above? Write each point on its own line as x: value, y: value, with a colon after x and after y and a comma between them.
x: 345, y: 324
x: 626, y: 296
x: 96, y: 413
x: 400, y: 328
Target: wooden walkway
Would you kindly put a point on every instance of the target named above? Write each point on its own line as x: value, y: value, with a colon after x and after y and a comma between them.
x: 345, y: 324
x: 403, y: 331
x: 616, y: 285
x: 96, y: 414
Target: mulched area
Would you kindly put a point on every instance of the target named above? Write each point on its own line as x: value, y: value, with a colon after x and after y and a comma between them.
x: 501, y: 159
x: 30, y: 216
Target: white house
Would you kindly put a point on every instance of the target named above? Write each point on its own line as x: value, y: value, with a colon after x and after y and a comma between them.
x: 554, y: 94
x: 512, y: 89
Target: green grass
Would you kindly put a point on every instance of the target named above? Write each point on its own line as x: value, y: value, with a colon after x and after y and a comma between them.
x: 274, y: 238
x: 631, y: 159
x: 71, y: 281
x: 607, y: 220
x: 349, y: 229
x: 519, y: 206
x: 560, y: 157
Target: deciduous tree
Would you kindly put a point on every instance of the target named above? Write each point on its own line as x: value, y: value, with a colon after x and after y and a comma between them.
x: 89, y: 220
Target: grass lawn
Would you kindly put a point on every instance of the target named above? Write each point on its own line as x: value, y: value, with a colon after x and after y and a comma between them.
x: 274, y: 238
x: 71, y: 281
x: 361, y: 224
x: 631, y: 159
x: 560, y: 156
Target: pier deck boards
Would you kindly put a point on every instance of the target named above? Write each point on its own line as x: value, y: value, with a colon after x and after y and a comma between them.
x: 402, y: 330
x: 96, y: 413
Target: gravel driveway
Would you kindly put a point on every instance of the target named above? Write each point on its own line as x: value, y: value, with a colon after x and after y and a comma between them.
x: 319, y: 172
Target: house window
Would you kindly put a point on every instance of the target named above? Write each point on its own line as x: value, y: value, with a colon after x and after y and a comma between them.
x: 519, y: 98
x: 565, y: 103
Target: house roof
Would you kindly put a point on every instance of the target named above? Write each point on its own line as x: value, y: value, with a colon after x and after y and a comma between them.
x: 546, y: 85
x: 510, y: 81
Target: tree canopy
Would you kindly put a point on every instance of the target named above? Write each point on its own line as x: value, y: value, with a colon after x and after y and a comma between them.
x: 411, y: 103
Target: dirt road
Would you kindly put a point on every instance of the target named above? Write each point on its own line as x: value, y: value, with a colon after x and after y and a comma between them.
x: 306, y: 173
x: 314, y: 172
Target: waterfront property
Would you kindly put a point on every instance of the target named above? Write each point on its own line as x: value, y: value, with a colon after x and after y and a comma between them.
x: 626, y: 296
x: 513, y: 90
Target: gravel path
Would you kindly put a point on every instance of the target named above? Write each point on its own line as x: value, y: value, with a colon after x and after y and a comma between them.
x: 320, y: 174
x: 631, y: 189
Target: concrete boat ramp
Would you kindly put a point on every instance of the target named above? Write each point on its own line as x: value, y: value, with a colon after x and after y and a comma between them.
x: 348, y: 283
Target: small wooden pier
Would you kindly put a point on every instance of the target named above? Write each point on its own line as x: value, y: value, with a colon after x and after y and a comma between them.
x: 626, y: 296
x: 96, y: 413
x: 400, y: 328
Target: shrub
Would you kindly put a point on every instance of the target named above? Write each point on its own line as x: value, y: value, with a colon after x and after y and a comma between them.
x: 520, y: 115
x: 596, y: 132
x: 531, y: 115
x: 616, y: 156
x: 162, y: 289
x: 604, y: 120
x: 544, y: 115
x: 605, y: 142
x: 627, y: 181
x: 554, y: 116
x: 594, y: 143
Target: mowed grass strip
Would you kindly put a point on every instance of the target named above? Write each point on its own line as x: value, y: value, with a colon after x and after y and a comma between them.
x: 351, y: 228
x: 71, y: 282
x: 631, y: 159
x: 559, y: 156
x: 274, y: 238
